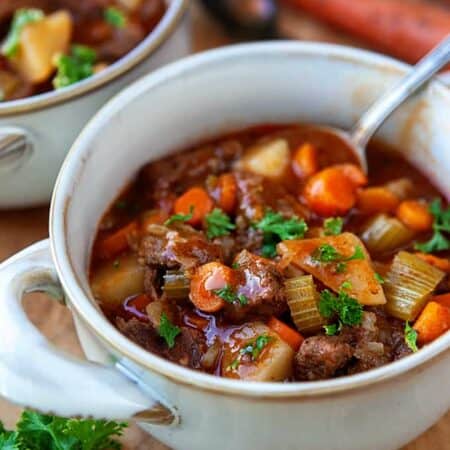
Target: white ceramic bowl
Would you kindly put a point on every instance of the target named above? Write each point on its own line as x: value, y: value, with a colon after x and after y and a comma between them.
x: 36, y: 132
x: 177, y: 106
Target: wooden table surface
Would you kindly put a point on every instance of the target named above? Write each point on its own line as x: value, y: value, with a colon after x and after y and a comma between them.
x: 20, y: 228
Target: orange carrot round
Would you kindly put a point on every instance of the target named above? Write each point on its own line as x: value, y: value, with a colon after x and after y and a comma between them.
x: 415, y: 215
x: 353, y: 173
x: 205, y: 283
x: 287, y: 334
x: 227, y: 192
x: 197, y: 201
x: 376, y: 200
x: 117, y: 242
x: 305, y: 162
x: 330, y: 192
x: 433, y: 321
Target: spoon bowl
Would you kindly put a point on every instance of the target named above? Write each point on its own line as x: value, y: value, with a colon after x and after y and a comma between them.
x: 357, y: 139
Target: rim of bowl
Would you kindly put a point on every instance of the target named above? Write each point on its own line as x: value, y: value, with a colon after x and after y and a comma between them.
x: 102, y: 328
x: 163, y: 30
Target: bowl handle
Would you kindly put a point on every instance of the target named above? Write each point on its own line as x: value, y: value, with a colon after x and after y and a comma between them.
x: 16, y: 147
x: 36, y: 375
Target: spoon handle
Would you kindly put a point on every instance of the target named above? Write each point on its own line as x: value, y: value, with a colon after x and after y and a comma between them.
x: 373, y: 118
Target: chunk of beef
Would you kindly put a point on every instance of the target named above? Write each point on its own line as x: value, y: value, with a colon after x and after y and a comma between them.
x: 257, y: 194
x: 190, y: 345
x: 262, y: 284
x: 141, y: 333
x: 9, y: 7
x: 171, y: 176
x: 321, y: 357
x: 178, y: 247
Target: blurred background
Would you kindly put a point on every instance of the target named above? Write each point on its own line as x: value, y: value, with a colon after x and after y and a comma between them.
x: 402, y: 28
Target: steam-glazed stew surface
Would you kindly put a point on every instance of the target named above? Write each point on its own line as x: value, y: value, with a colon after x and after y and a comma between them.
x: 52, y: 44
x: 262, y: 256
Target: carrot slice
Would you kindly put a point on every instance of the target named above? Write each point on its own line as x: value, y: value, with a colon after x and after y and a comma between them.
x: 305, y: 162
x: 415, y: 215
x: 375, y: 200
x: 330, y: 192
x: 117, y: 242
x: 227, y: 192
x: 433, y: 321
x: 206, y: 281
x: 353, y: 173
x: 441, y: 263
x: 443, y: 299
x: 290, y: 336
x: 197, y: 200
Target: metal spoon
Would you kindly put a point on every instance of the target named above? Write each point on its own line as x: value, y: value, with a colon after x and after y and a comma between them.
x: 359, y: 136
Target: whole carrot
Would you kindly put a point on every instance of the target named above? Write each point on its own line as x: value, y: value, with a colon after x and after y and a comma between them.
x: 405, y: 29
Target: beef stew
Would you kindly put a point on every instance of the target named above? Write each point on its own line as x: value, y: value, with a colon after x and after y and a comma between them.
x: 52, y: 44
x: 267, y: 255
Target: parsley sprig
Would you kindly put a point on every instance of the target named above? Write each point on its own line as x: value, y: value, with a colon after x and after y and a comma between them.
x: 218, y: 224
x: 333, y: 226
x: 275, y: 228
x: 115, y: 17
x: 168, y: 330
x: 38, y: 432
x: 22, y: 17
x: 252, y: 348
x: 230, y: 296
x: 441, y: 224
x: 74, y: 67
x: 345, y: 308
x: 326, y: 253
x: 411, y: 337
x: 180, y: 217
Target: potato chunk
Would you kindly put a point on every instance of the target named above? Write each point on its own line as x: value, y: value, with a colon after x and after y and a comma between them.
x: 269, y: 159
x: 243, y: 359
x: 112, y: 283
x: 40, y: 42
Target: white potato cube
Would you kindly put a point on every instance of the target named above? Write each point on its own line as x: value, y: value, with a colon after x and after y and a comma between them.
x: 269, y: 159
x: 112, y: 283
x: 273, y: 363
x: 40, y: 42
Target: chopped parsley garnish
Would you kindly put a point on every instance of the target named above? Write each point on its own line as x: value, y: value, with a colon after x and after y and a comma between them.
x: 441, y: 224
x: 345, y: 308
x: 346, y: 285
x: 38, y: 431
x: 379, y: 278
x: 180, y: 217
x: 227, y: 294
x: 284, y: 229
x: 115, y: 17
x: 276, y: 228
x: 326, y: 253
x: 121, y: 204
x: 332, y: 329
x: 252, y: 348
x: 411, y: 337
x: 235, y: 266
x: 333, y: 226
x: 74, y: 67
x: 218, y: 224
x: 168, y: 330
x: 22, y: 17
